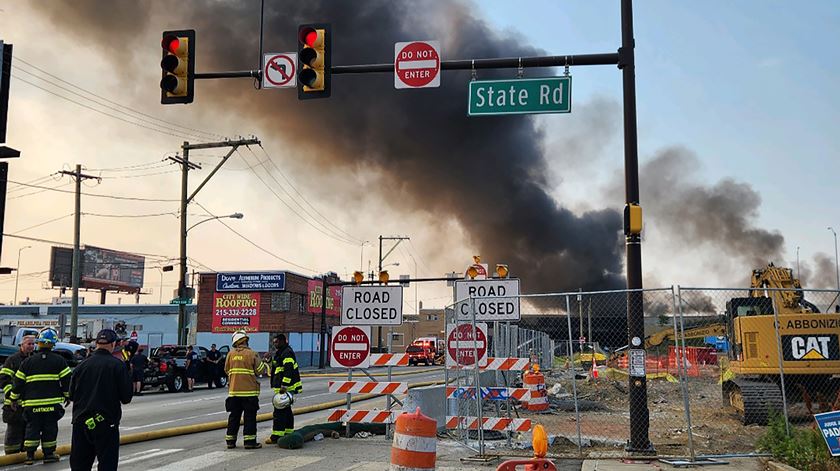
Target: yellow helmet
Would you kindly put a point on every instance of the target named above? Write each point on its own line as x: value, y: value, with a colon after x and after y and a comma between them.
x: 238, y: 336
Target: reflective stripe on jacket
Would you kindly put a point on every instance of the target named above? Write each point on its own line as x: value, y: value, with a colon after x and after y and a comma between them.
x: 284, y: 371
x: 42, y: 380
x: 242, y: 367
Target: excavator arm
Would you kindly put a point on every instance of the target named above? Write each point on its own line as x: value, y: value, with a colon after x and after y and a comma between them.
x: 692, y: 333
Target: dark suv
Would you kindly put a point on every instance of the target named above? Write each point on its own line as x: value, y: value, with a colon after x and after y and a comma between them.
x: 167, y: 367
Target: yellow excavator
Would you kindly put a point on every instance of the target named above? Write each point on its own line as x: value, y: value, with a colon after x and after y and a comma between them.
x: 750, y: 378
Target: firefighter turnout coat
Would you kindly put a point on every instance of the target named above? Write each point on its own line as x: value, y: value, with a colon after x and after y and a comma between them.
x: 242, y: 366
x: 284, y: 371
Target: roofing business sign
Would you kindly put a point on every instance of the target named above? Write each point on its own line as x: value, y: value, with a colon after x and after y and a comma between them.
x: 251, y: 281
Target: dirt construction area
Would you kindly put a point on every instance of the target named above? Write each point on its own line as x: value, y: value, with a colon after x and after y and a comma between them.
x: 605, y: 418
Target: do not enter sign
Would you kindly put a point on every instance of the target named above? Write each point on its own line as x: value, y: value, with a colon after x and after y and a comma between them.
x: 350, y: 347
x: 462, y: 345
x: 417, y: 64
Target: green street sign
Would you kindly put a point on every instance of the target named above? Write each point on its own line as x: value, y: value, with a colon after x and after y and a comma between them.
x: 180, y: 301
x: 520, y: 96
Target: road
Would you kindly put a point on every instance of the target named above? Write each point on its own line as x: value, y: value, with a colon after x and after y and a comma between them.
x: 159, y: 410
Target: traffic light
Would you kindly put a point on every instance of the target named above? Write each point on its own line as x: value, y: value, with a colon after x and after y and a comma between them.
x: 177, y: 67
x: 314, y: 48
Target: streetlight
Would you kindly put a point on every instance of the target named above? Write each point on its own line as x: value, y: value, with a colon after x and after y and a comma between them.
x: 229, y: 216
x: 836, y: 263
x: 797, y: 264
x: 163, y: 269
x: 362, y: 256
x: 17, y: 271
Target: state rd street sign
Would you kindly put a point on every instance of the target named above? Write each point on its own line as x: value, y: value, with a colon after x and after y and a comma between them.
x: 487, y: 309
x: 371, y: 305
x: 279, y: 70
x: 350, y: 347
x: 462, y: 345
x: 417, y: 64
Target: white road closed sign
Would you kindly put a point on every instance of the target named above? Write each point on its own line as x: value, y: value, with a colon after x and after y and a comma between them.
x: 417, y: 64
x: 496, y: 300
x: 371, y: 305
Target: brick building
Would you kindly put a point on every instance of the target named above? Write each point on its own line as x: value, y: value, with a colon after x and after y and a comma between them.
x: 429, y: 323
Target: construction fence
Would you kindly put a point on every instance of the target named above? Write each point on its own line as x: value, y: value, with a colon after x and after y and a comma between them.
x: 719, y: 365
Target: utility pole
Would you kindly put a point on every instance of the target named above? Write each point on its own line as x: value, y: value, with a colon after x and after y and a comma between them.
x: 77, y: 259
x: 185, y: 293
x: 382, y: 259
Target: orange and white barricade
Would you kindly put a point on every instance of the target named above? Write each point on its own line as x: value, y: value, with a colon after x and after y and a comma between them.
x: 368, y: 387
x: 488, y: 423
x: 506, y: 364
x: 415, y: 442
x: 535, y: 382
x: 361, y: 416
x: 388, y: 359
x: 518, y: 394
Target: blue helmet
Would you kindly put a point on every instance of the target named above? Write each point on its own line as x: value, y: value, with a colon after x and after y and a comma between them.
x: 47, y: 336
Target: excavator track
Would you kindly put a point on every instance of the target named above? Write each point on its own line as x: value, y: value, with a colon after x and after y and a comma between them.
x: 755, y: 401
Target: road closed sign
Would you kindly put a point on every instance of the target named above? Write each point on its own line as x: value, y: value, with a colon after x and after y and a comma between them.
x: 350, y: 347
x: 495, y: 299
x: 463, y: 345
x: 417, y: 64
x: 371, y: 305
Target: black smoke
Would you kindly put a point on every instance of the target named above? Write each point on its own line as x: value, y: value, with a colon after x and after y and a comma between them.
x: 489, y: 173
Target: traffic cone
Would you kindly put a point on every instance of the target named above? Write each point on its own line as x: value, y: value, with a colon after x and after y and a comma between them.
x: 594, y: 367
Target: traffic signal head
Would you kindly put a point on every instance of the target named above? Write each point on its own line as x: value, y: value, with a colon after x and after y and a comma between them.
x: 314, y: 48
x: 177, y: 67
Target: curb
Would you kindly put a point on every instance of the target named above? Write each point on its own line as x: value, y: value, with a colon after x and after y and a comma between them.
x: 776, y: 466
x: 64, y: 450
x: 342, y: 375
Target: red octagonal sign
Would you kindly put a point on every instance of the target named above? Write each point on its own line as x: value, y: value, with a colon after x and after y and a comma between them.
x: 417, y: 64
x: 350, y: 347
x: 462, y: 346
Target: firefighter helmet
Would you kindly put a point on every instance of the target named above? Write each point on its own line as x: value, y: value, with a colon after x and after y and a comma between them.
x: 238, y: 336
x: 47, y: 337
x: 282, y: 400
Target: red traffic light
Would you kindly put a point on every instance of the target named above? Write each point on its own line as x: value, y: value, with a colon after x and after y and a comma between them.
x: 308, y: 36
x: 171, y: 44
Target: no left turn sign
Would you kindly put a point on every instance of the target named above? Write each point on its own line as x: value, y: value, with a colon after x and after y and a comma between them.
x: 279, y: 70
x: 417, y: 64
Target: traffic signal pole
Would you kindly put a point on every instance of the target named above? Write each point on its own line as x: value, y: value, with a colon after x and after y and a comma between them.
x: 183, y: 292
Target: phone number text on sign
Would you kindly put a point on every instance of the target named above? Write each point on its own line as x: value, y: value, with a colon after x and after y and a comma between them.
x: 235, y: 311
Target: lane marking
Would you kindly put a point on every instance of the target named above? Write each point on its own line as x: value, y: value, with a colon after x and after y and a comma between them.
x: 199, y: 462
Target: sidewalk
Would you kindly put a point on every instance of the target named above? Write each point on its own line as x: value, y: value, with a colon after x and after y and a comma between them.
x: 734, y: 464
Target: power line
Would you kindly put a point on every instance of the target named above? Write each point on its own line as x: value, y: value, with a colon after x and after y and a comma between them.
x: 305, y: 200
x: 417, y: 254
x: 304, y: 219
x: 124, y: 198
x: 139, y: 176
x: 154, y: 119
x: 36, y: 181
x: 24, y: 195
x: 43, y: 223
x: 171, y: 213
x: 266, y: 251
x: 66, y: 245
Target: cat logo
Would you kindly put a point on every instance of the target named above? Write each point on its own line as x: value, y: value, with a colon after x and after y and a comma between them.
x: 811, y: 348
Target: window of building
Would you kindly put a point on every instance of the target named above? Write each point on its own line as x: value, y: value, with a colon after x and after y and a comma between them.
x: 397, y: 339
x: 281, y: 302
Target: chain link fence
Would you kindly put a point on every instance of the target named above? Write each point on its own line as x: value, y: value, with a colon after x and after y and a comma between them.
x: 719, y: 364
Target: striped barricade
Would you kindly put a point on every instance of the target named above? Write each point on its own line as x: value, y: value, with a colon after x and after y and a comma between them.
x: 388, y: 359
x: 492, y: 394
x: 506, y: 364
x: 488, y: 423
x: 362, y: 416
x: 368, y: 387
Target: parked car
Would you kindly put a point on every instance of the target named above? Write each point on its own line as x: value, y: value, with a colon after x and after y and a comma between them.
x: 167, y: 368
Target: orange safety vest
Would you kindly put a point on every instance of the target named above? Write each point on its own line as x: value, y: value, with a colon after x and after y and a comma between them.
x: 242, y: 367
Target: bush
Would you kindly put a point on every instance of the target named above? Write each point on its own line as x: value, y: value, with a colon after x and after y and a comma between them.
x: 804, y: 449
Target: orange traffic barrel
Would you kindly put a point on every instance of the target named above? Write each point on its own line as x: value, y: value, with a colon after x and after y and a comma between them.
x: 415, y: 442
x: 535, y: 382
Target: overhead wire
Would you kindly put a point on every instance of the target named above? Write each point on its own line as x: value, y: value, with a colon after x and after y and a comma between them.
x: 262, y: 249
x: 305, y: 200
x: 115, y: 197
x: 43, y: 223
x: 113, y: 105
x: 100, y: 215
x: 24, y: 195
x: 323, y: 230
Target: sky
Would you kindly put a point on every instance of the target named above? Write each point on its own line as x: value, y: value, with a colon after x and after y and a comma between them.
x: 740, y: 95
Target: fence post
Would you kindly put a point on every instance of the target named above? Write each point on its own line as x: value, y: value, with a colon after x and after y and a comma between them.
x: 574, y: 383
x: 479, y: 411
x: 679, y: 358
x: 781, y: 365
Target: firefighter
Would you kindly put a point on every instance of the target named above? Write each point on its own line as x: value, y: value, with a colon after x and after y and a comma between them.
x: 242, y: 367
x: 13, y: 413
x: 42, y: 384
x: 285, y: 377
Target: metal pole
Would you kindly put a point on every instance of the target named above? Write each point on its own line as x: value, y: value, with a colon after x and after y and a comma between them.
x: 639, y: 413
x: 681, y: 366
x: 379, y: 328
x: 350, y: 401
x: 781, y: 363
x: 797, y: 263
x: 17, y: 272
x: 160, y: 296
x: 182, y: 267
x: 322, y: 361
x: 77, y: 275
x: 836, y: 261
x: 574, y: 382
x: 477, y: 370
x: 388, y: 402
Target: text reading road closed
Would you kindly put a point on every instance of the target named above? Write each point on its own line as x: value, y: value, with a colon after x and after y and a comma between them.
x: 371, y: 305
x: 492, y: 300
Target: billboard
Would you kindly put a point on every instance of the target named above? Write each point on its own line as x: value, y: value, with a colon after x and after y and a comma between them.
x: 315, y: 289
x: 235, y: 311
x: 100, y: 269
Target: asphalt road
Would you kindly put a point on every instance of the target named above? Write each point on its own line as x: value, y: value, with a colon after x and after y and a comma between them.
x: 160, y: 410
